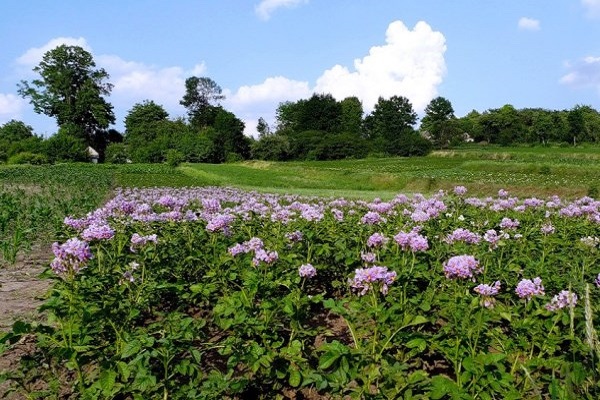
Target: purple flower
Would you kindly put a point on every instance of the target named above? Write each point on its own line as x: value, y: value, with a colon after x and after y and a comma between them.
x: 508, y: 223
x: 463, y: 266
x: 369, y: 258
x: 236, y: 249
x: 294, y: 237
x: 70, y: 256
x: 220, y: 222
x: 98, y: 232
x: 493, y: 237
x: 488, y: 292
x: 365, y: 278
x: 564, y: 299
x: 527, y: 288
x: 463, y: 235
x: 138, y: 241
x: 371, y: 218
x: 502, y: 193
x: 254, y: 244
x: 597, y: 281
x: 547, y: 228
x: 412, y: 240
x: 307, y: 271
x: 267, y: 257
x: 376, y: 240
x: 460, y: 190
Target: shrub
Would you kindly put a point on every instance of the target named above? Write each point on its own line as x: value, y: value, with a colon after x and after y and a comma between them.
x: 116, y: 153
x: 28, y: 158
x: 174, y: 158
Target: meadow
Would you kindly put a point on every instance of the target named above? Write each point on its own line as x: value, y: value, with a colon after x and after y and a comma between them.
x: 466, y: 274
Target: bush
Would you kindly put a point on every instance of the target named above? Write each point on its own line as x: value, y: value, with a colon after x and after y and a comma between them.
x: 174, y: 158
x: 116, y: 153
x: 28, y: 158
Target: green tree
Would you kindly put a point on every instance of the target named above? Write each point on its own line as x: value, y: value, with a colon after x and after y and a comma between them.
x: 71, y: 90
x: 577, y: 127
x: 201, y: 98
x: 440, y: 123
x: 262, y: 127
x: 352, y: 115
x: 144, y: 114
x: 320, y: 113
x: 390, y: 120
x: 14, y: 131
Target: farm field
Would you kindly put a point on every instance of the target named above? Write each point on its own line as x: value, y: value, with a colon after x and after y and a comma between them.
x: 466, y: 274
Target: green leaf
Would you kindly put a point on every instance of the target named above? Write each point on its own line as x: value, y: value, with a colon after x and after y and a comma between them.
x: 131, y: 348
x: 295, y: 377
x: 327, y: 359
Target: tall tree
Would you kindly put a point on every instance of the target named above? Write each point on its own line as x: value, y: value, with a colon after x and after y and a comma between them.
x: 71, y: 89
x: 263, y: 128
x: 201, y: 98
x: 391, y: 117
x: 352, y: 115
x: 439, y: 122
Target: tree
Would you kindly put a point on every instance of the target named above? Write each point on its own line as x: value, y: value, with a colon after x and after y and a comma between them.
x: 15, y: 131
x: 352, y: 115
x: 263, y: 127
x: 71, y: 90
x: 320, y: 113
x: 440, y: 123
x: 390, y: 120
x: 201, y: 98
x: 144, y: 114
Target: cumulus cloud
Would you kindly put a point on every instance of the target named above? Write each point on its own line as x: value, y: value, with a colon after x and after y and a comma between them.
x: 592, y: 7
x: 266, y: 7
x: 584, y: 73
x: 33, y: 56
x: 529, y: 24
x: 261, y: 100
x: 410, y: 64
x: 11, y: 107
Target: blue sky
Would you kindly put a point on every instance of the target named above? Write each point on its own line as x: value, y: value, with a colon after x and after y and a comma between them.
x: 478, y: 54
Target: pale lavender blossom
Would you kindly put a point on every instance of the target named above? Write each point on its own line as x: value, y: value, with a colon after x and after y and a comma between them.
x: 98, y: 232
x: 508, y: 223
x: 237, y: 249
x: 463, y: 235
x: 460, y: 190
x: 463, y: 266
x: 295, y: 236
x: 547, y: 228
x: 365, y: 278
x: 377, y: 240
x: 254, y: 244
x: 502, y: 193
x: 565, y: 298
x: 307, y: 271
x: 597, y: 281
x: 371, y: 218
x: 71, y: 256
x: 488, y: 292
x: 337, y: 214
x: 412, y: 240
x: 220, y: 222
x: 493, y: 237
x: 368, y: 257
x: 528, y: 288
x: 590, y: 241
x: 267, y: 257
x: 138, y: 241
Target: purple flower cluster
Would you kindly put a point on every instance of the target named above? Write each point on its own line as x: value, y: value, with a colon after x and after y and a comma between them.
x: 71, y: 256
x: 463, y: 266
x: 493, y: 237
x: 220, y: 223
x: 371, y: 218
x: 508, y: 223
x: 295, y: 236
x: 254, y: 245
x: 488, y: 292
x: 262, y: 255
x: 365, y: 278
x: 564, y: 299
x: 460, y: 190
x: 368, y: 257
x: 528, y: 288
x: 412, y: 240
x: 376, y: 240
x: 547, y: 228
x: 138, y: 241
x: 597, y: 281
x: 463, y: 235
x: 100, y: 231
x: 307, y: 271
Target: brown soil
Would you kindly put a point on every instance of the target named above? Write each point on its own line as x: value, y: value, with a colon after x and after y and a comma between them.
x: 21, y: 293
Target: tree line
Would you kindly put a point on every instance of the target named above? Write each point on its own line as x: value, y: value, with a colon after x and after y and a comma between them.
x: 71, y: 89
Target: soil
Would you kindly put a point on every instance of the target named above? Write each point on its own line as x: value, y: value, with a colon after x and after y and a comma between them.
x: 21, y: 293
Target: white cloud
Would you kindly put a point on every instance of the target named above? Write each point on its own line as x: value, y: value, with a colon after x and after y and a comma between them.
x: 583, y: 74
x: 251, y: 102
x: 592, y: 7
x: 266, y: 7
x: 33, y: 56
x: 529, y: 24
x: 11, y: 107
x: 410, y: 64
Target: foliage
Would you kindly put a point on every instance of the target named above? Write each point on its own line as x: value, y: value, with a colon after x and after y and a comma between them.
x: 200, y: 293
x: 174, y: 158
x: 440, y: 123
x: 72, y: 90
x: 271, y: 148
x: 66, y: 145
x: 201, y: 98
x: 28, y: 158
x: 116, y: 153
